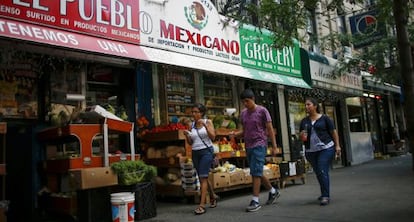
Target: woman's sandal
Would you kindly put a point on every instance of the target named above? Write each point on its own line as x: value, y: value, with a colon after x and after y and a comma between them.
x: 213, y: 203
x: 199, y: 210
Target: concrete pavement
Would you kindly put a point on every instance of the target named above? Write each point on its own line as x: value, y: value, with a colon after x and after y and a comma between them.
x: 376, y: 191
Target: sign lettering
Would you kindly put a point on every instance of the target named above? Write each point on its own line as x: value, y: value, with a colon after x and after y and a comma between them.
x: 114, y: 19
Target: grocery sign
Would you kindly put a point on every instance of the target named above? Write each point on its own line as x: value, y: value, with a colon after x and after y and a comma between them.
x: 257, y: 52
x: 112, y: 19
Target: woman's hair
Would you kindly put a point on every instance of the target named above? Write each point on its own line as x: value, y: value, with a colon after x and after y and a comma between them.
x: 314, y: 102
x: 201, y: 108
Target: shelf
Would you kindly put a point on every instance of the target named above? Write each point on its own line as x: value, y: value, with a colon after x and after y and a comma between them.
x: 63, y: 165
x: 216, y: 86
x: 164, y: 136
x: 169, y: 190
x: 243, y: 186
x: 177, y: 114
x: 180, y: 104
x: 179, y: 93
x: 224, y: 131
x: 218, y: 97
x: 169, y: 80
x: 164, y: 162
x: 102, y: 83
x: 218, y: 107
x: 85, y: 134
x: 231, y: 154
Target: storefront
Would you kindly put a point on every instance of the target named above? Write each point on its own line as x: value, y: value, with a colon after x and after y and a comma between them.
x: 55, y: 63
x: 332, y: 92
x: 211, y: 60
x: 386, y: 117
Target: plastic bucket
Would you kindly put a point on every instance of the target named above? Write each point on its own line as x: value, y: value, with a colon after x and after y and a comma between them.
x: 123, y: 207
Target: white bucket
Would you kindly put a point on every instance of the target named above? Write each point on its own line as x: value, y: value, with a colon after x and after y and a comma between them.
x: 123, y: 207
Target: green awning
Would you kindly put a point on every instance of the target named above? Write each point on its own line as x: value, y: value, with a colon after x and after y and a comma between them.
x: 277, y: 78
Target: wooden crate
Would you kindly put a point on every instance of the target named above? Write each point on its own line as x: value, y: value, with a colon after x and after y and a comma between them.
x: 164, y: 136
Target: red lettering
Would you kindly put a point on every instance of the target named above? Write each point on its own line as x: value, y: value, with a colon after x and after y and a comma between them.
x: 182, y: 35
x: 166, y: 32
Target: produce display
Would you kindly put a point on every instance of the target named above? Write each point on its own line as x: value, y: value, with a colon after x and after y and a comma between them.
x: 168, y: 127
x: 224, y: 121
x: 133, y: 172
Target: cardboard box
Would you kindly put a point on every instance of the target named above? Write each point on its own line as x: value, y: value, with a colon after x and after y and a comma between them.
x: 219, y: 180
x: 268, y: 173
x: 236, y: 177
x: 275, y: 170
x: 93, y: 177
x: 247, y: 177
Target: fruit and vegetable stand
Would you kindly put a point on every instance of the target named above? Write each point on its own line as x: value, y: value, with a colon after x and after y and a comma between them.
x: 73, y: 167
x: 169, y: 151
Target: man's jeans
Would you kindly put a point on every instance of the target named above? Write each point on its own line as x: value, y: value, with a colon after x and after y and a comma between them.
x: 321, y: 162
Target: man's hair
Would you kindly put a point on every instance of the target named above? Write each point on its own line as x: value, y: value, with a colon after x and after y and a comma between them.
x: 247, y: 94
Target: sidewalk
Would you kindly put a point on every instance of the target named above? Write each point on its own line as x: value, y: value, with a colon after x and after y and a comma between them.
x: 380, y: 190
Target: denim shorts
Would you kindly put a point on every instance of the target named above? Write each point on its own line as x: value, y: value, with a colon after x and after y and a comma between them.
x: 202, y: 160
x: 256, y: 157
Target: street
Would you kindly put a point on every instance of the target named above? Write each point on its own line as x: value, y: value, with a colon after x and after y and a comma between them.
x: 379, y: 190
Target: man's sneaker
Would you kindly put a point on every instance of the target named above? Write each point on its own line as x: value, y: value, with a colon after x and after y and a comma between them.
x: 273, y: 197
x: 254, y: 206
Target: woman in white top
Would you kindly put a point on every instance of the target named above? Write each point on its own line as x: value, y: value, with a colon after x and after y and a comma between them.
x: 200, y: 138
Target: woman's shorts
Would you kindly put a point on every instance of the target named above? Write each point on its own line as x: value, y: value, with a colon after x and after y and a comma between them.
x: 202, y: 160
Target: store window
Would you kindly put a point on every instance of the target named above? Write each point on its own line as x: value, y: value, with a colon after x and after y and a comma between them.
x: 296, y: 112
x: 65, y: 90
x: 18, y: 85
x: 179, y: 89
x: 102, y: 82
x: 218, y: 94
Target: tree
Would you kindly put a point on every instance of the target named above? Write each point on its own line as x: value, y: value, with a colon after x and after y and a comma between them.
x: 286, y: 17
x: 401, y: 14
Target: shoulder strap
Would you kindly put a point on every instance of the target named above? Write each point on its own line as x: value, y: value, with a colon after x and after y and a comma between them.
x: 205, y: 144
